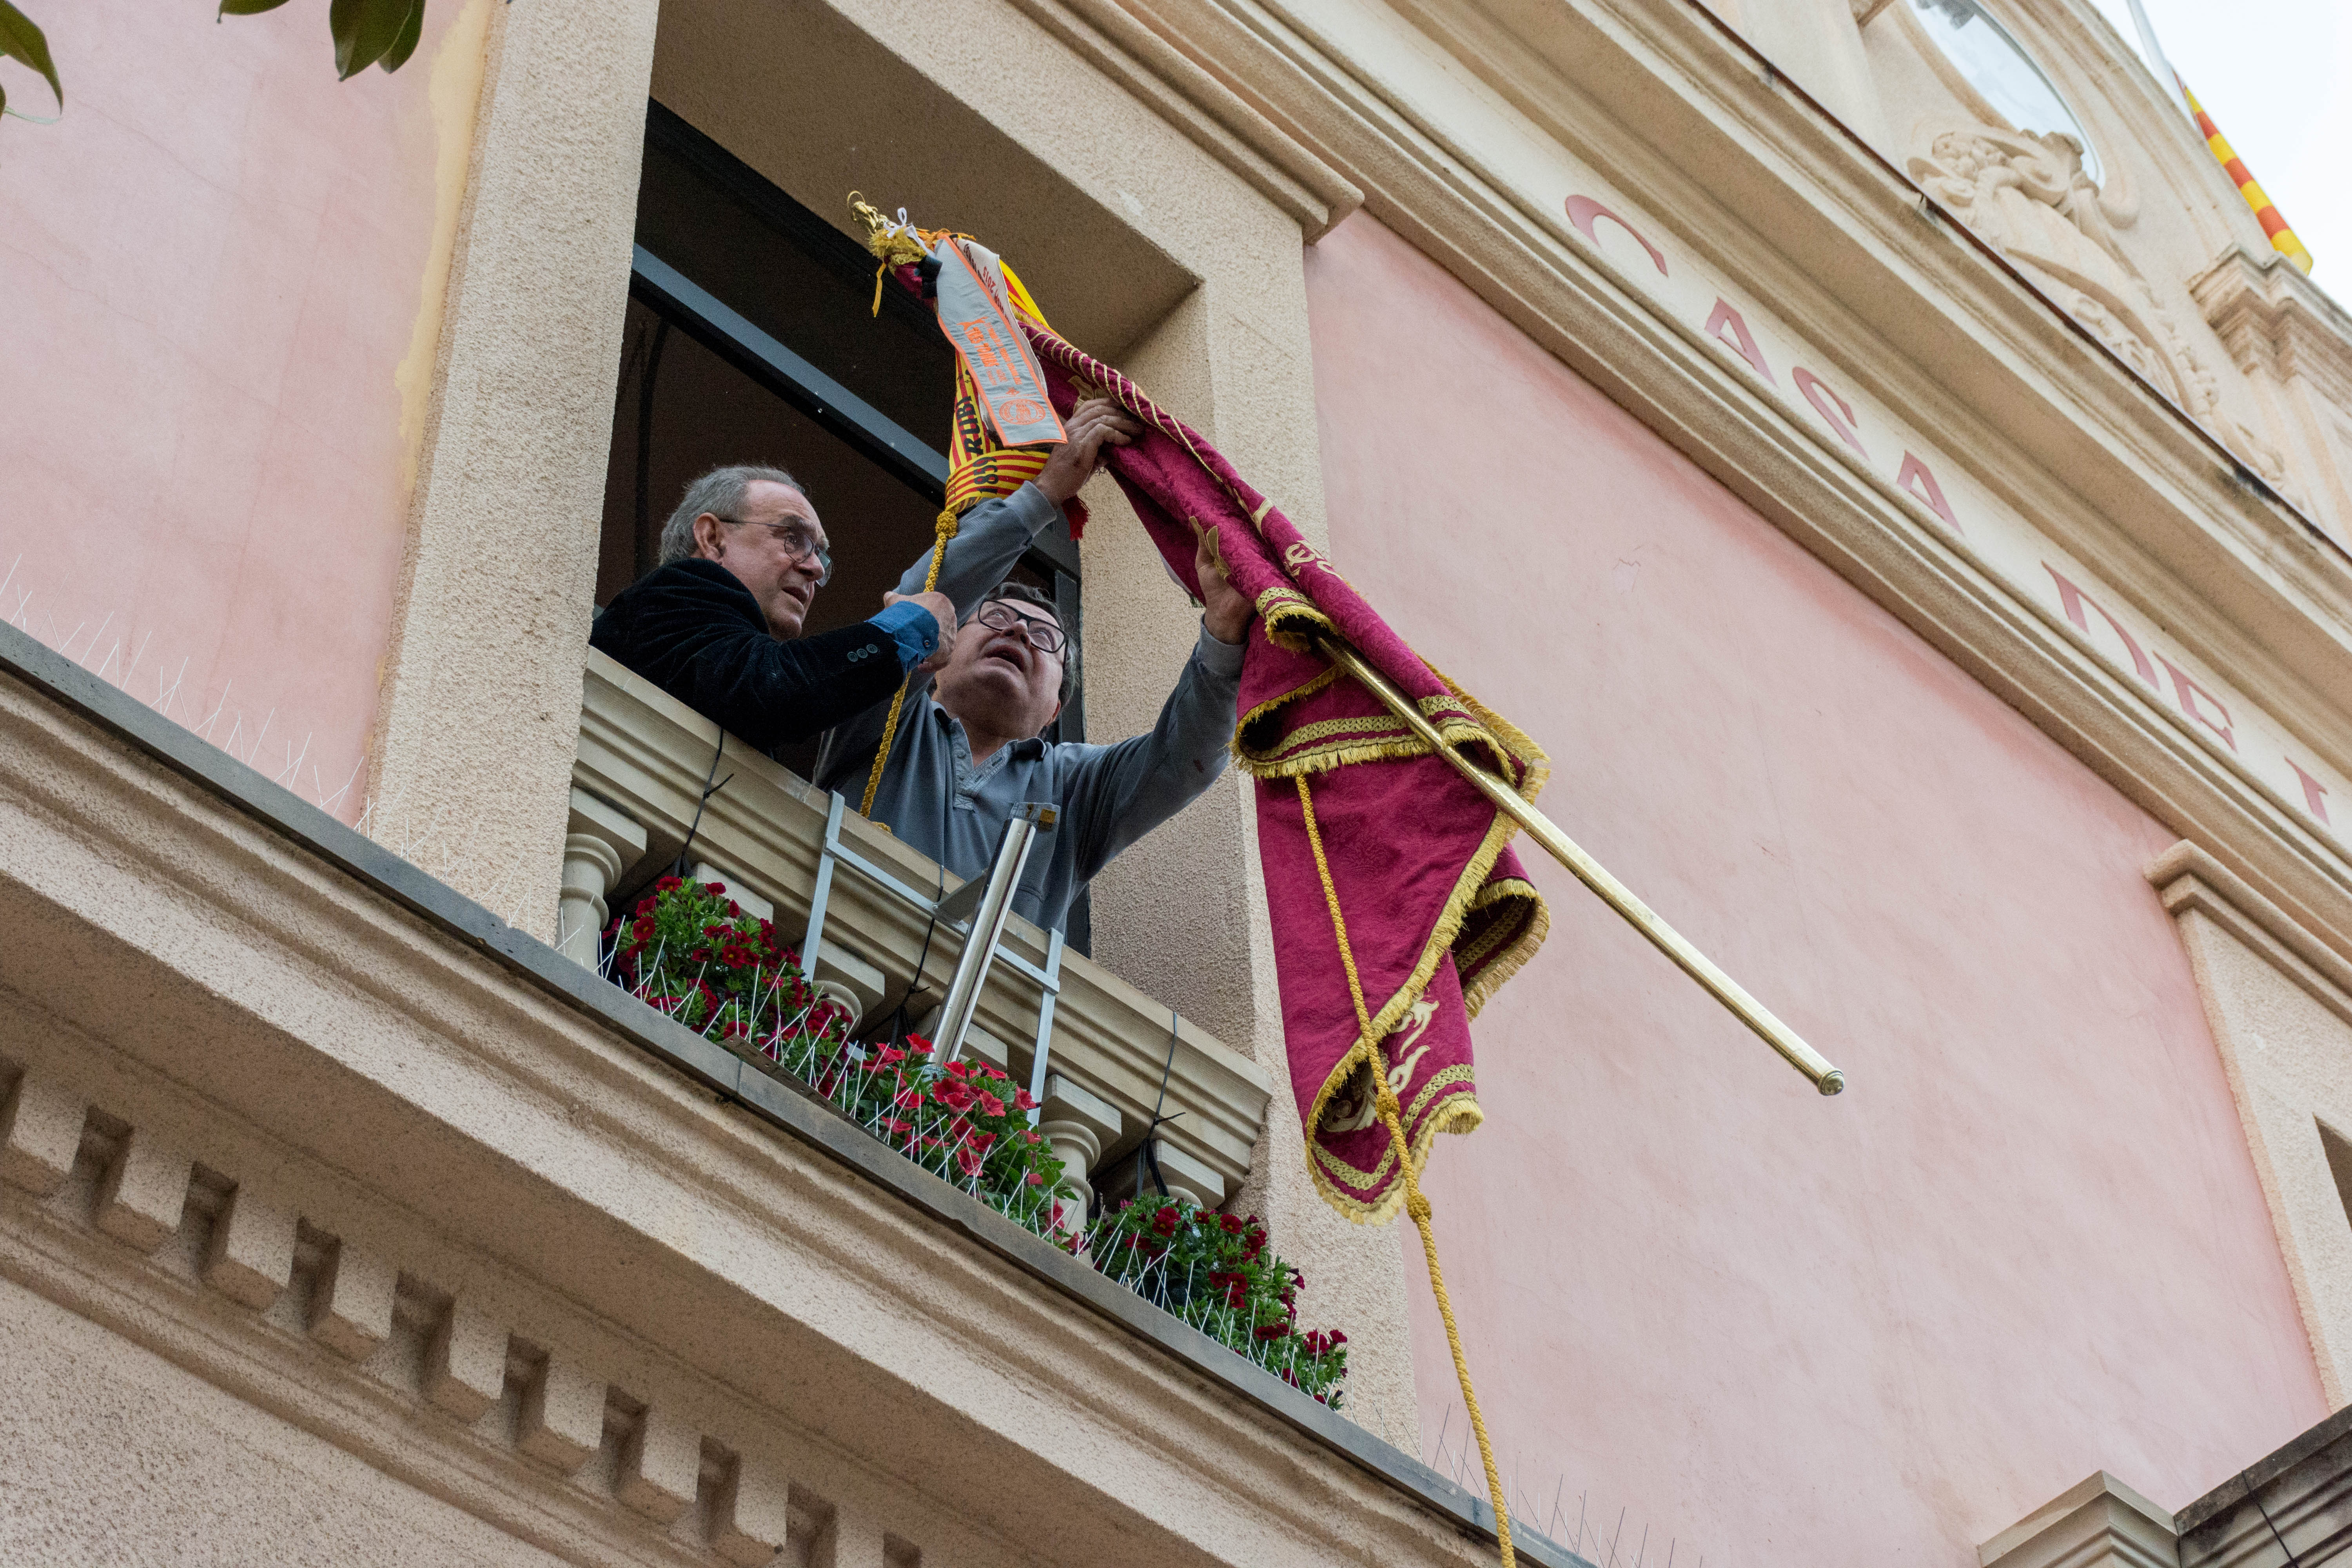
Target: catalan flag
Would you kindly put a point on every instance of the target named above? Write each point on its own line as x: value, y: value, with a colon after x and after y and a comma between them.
x: 2266, y: 212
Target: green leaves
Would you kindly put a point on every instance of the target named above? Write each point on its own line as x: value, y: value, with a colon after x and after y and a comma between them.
x: 372, y: 32
x: 366, y: 32
x: 20, y: 40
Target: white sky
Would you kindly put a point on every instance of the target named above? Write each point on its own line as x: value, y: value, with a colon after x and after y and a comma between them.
x: 2276, y: 77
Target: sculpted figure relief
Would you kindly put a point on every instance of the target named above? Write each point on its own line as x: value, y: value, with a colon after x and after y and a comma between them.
x: 2027, y: 196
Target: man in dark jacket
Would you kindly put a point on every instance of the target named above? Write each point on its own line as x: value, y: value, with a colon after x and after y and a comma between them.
x: 717, y: 625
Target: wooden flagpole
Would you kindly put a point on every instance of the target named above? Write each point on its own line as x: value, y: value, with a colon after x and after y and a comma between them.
x: 1595, y: 876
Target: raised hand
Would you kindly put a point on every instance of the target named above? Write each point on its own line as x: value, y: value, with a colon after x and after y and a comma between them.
x: 1093, y: 425
x: 1224, y: 608
x: 943, y: 611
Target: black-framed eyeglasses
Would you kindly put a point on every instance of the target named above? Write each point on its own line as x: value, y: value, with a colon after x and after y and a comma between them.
x: 1043, y: 635
x: 796, y: 538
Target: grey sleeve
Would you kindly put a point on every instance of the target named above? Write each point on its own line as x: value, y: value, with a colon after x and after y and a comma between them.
x: 988, y: 541
x: 1115, y: 794
x: 990, y: 538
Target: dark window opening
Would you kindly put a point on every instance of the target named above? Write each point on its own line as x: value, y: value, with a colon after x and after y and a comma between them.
x: 751, y: 338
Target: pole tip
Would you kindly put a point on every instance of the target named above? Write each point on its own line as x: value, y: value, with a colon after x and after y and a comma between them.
x: 1834, y: 1082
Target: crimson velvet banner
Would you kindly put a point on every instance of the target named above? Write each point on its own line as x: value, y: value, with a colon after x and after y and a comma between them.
x: 1435, y: 910
x: 1438, y: 910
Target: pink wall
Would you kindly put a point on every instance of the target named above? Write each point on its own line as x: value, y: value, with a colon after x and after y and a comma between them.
x: 2027, y: 1244
x: 212, y: 267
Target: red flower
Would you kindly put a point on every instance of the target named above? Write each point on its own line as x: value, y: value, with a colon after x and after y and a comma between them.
x: 1030, y: 1135
x: 967, y: 1161
x: 909, y: 1098
x: 734, y: 910
x: 917, y: 1043
x: 889, y: 1056
x: 1036, y: 1180
x: 667, y: 884
x: 1164, y: 1222
x: 645, y: 907
x: 982, y: 1141
x: 1230, y: 1224
x: 955, y: 1095
x: 987, y: 1071
x: 1023, y: 1101
x: 959, y: 1069
x: 960, y: 1129
x: 990, y: 1105
x: 717, y: 890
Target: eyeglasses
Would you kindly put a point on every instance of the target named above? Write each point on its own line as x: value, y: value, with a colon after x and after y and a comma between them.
x: 1042, y: 635
x: 798, y: 543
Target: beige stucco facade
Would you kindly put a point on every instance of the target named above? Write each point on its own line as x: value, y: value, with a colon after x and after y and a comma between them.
x: 334, y: 1194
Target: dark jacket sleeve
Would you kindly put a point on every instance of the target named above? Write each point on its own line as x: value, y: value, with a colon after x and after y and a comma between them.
x: 697, y: 633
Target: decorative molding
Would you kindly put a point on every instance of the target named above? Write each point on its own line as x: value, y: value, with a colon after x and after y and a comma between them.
x: 1154, y: 65
x: 2186, y: 877
x: 2293, y: 1507
x: 2097, y: 1524
x: 2279, y: 1003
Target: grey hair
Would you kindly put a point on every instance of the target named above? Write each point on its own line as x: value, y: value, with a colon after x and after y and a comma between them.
x: 1023, y: 593
x: 720, y: 493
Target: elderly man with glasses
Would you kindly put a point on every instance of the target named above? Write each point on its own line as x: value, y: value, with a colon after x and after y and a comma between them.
x: 716, y: 624
x: 968, y: 749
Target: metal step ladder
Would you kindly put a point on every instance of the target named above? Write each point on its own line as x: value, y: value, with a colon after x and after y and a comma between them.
x: 979, y: 909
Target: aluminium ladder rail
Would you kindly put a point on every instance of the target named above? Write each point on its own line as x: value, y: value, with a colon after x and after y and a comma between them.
x: 981, y: 902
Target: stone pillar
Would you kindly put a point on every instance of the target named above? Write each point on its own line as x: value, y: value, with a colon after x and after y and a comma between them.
x: 1077, y: 1126
x: 601, y: 843
x: 479, y: 713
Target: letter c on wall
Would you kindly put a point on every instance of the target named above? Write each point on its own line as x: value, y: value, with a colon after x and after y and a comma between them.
x: 1583, y: 211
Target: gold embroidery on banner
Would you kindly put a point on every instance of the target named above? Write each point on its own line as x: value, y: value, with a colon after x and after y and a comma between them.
x: 1463, y: 1109
x: 1354, y: 1110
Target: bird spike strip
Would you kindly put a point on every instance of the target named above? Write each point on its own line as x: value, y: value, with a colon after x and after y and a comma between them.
x: 1385, y: 1103
x: 2266, y: 212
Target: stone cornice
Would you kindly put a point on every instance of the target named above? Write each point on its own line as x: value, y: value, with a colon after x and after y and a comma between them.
x: 298, y: 1007
x: 2275, y: 319
x: 1666, y: 98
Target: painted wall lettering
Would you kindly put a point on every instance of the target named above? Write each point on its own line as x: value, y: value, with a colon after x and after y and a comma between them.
x: 2072, y: 599
x: 2314, y: 793
x: 2004, y: 540
x: 1741, y: 338
x: 1583, y: 210
x: 1917, y: 479
x: 1840, y: 420
x: 2189, y: 692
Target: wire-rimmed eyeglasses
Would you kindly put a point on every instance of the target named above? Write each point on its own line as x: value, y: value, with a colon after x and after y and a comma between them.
x: 1043, y: 635
x: 798, y: 541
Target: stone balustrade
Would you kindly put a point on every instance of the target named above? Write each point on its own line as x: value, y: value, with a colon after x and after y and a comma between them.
x: 643, y: 765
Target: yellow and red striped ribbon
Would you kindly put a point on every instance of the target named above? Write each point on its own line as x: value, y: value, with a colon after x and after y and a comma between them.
x: 2266, y: 212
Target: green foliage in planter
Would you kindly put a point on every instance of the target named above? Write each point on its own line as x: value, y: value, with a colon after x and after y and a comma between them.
x: 1213, y: 1271
x: 692, y: 952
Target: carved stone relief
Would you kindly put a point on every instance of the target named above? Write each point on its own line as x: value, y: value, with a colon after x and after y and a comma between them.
x: 2026, y: 194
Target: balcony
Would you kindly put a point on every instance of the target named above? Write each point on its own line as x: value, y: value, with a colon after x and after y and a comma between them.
x: 1117, y: 1060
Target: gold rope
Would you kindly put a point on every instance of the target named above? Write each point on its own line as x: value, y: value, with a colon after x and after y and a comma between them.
x: 1385, y: 1102
x: 947, y: 531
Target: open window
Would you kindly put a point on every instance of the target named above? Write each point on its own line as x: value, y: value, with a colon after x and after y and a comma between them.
x: 753, y: 338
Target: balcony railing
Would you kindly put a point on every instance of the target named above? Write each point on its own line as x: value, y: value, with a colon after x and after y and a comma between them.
x: 1116, y: 1059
